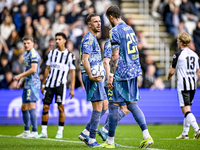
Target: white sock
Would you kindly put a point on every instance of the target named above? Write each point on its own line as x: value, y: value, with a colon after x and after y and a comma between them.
x: 105, y: 130
x: 44, y: 129
x: 192, y: 121
x: 110, y: 140
x: 60, y: 129
x: 86, y: 132
x: 91, y: 140
x: 186, y: 127
x: 146, y: 134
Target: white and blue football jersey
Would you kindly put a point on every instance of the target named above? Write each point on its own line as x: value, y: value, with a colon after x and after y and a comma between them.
x: 90, y: 45
x: 32, y: 80
x: 124, y: 37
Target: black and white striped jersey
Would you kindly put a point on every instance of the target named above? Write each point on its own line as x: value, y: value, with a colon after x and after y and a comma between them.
x: 60, y: 63
x: 186, y: 63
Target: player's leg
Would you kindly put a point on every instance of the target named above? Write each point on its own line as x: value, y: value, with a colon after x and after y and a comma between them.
x: 61, y: 121
x: 103, y: 132
x: 114, y: 100
x: 33, y: 118
x: 25, y: 114
x: 60, y: 100
x: 34, y: 96
x: 190, y: 118
x: 132, y: 97
x: 86, y: 131
x: 140, y: 119
x: 186, y: 127
x: 113, y: 120
x: 47, y: 100
x: 186, y: 100
x: 105, y: 107
x: 95, y: 119
x: 96, y: 94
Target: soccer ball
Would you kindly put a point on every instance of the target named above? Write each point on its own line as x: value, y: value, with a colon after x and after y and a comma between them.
x: 98, y: 70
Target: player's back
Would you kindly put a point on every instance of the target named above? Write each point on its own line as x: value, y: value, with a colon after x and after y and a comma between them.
x: 90, y: 45
x: 32, y: 57
x: 123, y: 36
x: 187, y: 65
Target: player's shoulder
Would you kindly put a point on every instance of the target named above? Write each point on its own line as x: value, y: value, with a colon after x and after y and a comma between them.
x: 52, y: 51
x: 34, y: 53
x: 177, y: 54
x: 193, y: 53
x: 114, y: 29
x: 89, y: 36
x: 70, y: 53
x: 107, y: 43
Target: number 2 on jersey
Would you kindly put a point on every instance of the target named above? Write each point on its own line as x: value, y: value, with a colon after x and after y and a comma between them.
x: 130, y: 38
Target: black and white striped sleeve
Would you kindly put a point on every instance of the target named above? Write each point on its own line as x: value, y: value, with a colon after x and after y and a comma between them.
x: 175, y: 59
x: 72, y: 64
x: 48, y: 63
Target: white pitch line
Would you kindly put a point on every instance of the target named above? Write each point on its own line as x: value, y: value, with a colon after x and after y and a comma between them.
x: 68, y: 141
x: 165, y: 139
x: 46, y: 139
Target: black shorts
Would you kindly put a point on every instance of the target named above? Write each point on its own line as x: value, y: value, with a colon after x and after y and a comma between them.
x: 59, y: 92
x: 186, y: 97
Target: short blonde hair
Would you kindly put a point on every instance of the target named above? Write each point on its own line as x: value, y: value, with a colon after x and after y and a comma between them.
x: 27, y: 37
x: 185, y: 38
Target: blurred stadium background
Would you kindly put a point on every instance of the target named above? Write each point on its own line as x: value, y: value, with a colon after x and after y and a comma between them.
x: 155, y: 22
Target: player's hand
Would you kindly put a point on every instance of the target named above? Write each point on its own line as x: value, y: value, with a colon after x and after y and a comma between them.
x: 42, y: 90
x: 109, y: 83
x: 170, y: 78
x: 17, y: 77
x: 18, y: 85
x: 96, y: 78
x: 71, y: 93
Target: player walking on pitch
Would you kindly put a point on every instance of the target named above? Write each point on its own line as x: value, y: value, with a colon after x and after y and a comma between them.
x: 123, y: 111
x: 60, y: 62
x: 125, y: 67
x: 31, y: 87
x: 186, y: 62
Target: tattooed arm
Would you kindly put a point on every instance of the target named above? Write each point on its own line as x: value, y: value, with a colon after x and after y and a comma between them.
x: 114, y: 60
x: 113, y: 66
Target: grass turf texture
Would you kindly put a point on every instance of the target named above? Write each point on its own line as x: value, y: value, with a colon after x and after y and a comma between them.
x: 129, y: 136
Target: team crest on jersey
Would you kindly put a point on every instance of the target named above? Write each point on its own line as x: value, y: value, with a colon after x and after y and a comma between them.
x: 174, y: 56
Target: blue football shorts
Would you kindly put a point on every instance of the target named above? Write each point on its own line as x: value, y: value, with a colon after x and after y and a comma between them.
x: 94, y: 90
x: 124, y: 91
x: 121, y: 103
x: 30, y: 95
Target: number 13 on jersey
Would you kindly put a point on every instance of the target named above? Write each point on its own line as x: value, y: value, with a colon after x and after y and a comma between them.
x: 130, y: 47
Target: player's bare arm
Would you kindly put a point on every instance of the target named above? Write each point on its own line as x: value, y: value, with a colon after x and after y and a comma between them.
x: 114, y: 60
x: 20, y: 82
x: 32, y: 70
x: 198, y: 72
x: 171, y: 73
x: 47, y: 69
x: 113, y: 66
x: 72, y: 75
x: 106, y: 65
x: 87, y: 68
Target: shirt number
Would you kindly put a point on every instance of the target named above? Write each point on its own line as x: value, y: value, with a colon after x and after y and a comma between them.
x: 190, y: 62
x: 130, y: 38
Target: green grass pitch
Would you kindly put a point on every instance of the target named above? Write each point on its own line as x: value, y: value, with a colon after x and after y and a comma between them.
x: 129, y: 136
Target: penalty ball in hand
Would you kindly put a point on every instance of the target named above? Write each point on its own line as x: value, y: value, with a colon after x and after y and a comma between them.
x: 98, y: 70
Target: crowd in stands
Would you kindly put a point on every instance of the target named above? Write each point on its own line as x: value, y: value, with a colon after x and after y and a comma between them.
x: 42, y: 19
x: 179, y: 16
